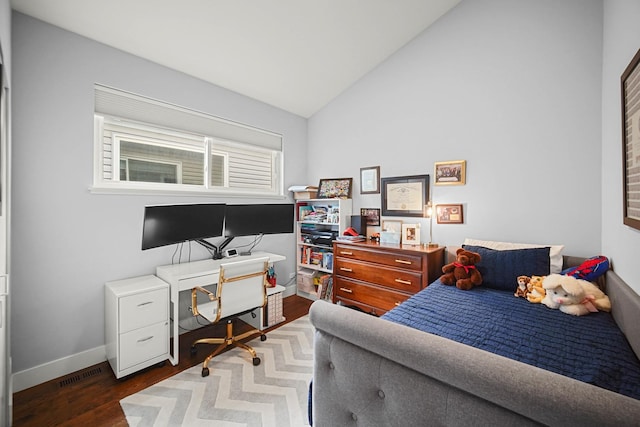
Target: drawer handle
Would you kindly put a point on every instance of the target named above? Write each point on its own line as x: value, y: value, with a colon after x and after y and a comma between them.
x: 145, y: 339
x: 397, y: 303
x: 145, y: 303
x: 347, y: 290
x: 402, y: 261
x: 346, y: 253
x: 348, y: 270
x: 404, y: 282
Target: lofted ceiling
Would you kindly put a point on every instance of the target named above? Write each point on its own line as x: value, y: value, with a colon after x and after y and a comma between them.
x: 296, y: 55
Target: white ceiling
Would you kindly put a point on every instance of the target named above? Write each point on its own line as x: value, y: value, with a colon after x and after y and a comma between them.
x: 293, y: 54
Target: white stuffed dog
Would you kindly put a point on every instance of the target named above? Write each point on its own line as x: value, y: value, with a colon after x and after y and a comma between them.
x: 574, y: 296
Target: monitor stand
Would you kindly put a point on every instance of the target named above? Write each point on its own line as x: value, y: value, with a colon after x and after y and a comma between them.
x: 217, y: 250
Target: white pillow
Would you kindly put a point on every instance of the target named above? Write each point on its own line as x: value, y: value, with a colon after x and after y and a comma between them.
x: 555, y: 251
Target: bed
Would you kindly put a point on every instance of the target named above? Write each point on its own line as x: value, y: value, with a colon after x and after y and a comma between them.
x: 479, y: 357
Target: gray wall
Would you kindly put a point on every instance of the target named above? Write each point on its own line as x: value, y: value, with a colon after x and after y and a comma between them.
x: 513, y: 88
x: 621, y: 42
x: 67, y: 242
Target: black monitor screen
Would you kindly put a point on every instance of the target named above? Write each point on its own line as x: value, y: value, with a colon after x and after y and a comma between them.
x: 169, y: 224
x: 250, y: 220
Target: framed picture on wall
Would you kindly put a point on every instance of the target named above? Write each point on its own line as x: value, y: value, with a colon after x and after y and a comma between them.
x: 333, y: 188
x: 449, y: 214
x: 450, y: 173
x: 404, y: 195
x: 370, y: 180
x: 631, y: 142
x: 372, y: 215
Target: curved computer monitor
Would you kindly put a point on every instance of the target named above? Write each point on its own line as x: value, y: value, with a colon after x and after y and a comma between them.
x: 253, y: 220
x: 169, y: 224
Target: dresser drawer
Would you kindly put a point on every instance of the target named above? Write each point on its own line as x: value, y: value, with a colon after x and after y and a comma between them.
x: 143, y: 309
x: 384, y: 299
x: 392, y: 259
x: 143, y: 344
x: 404, y: 280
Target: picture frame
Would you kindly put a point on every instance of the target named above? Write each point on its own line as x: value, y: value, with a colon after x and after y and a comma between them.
x: 449, y: 214
x: 404, y: 195
x: 335, y: 188
x: 392, y: 225
x: 452, y: 172
x: 370, y: 180
x: 372, y: 215
x: 630, y: 86
x: 410, y: 234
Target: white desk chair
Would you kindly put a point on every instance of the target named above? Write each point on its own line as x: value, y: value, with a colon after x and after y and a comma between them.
x: 242, y: 288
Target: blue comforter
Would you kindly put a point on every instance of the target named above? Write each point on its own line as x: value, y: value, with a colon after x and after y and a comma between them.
x: 588, y: 348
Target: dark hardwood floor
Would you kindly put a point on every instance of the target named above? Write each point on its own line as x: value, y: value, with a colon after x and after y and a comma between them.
x: 91, y: 397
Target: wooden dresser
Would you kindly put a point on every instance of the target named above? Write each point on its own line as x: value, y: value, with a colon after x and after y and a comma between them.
x: 376, y: 277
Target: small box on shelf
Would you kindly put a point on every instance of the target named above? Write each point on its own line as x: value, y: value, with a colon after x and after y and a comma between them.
x: 305, y: 280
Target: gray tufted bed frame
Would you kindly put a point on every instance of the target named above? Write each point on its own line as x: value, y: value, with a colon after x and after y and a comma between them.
x: 372, y: 372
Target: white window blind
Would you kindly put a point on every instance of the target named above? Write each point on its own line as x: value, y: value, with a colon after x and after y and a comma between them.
x: 147, y: 144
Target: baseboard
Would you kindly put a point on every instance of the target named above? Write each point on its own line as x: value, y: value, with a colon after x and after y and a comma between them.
x: 58, y: 368
x: 289, y: 290
x: 67, y: 365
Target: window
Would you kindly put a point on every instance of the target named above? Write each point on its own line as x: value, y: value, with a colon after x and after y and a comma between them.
x: 143, y: 144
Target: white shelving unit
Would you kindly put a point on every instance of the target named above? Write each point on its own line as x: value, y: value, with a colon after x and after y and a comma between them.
x: 318, y: 223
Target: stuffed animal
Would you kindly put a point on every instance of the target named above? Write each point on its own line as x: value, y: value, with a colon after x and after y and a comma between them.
x: 574, y: 296
x: 463, y: 272
x: 536, y: 291
x: 522, y: 289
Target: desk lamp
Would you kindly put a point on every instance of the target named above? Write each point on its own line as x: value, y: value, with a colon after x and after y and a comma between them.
x: 428, y: 213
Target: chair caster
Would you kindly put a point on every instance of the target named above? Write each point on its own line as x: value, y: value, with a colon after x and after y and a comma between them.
x: 263, y: 337
x: 205, y: 372
x: 256, y: 361
x: 194, y: 350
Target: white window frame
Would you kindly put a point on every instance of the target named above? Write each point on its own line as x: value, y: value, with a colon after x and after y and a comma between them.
x: 268, y: 143
x: 142, y: 159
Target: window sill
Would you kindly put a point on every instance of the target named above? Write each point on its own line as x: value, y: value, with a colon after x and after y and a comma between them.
x: 145, y: 191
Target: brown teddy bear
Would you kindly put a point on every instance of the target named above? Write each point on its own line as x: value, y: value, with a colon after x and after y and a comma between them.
x: 462, y: 272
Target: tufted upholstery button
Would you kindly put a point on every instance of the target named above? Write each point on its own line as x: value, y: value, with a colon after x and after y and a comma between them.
x: 354, y: 417
x: 381, y: 394
x: 331, y: 365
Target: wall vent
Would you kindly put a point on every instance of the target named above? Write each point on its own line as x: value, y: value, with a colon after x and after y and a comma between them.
x: 77, y: 377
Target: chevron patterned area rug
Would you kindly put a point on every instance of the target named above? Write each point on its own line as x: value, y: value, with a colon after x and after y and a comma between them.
x: 236, y: 393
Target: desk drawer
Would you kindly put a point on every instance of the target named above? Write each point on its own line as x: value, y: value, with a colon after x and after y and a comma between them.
x: 374, y: 296
x: 404, y: 280
x: 143, y: 344
x: 392, y: 259
x: 192, y: 282
x: 143, y: 309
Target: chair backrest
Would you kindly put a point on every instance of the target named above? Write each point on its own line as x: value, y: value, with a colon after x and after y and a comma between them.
x: 242, y: 286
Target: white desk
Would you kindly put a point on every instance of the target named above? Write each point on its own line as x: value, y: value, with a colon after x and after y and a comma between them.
x: 185, y: 276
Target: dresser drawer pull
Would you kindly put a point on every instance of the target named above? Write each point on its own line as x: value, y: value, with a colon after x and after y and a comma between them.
x: 347, y: 290
x: 401, y: 261
x: 348, y: 270
x: 145, y: 303
x: 397, y: 303
x: 145, y: 339
x: 346, y: 253
x: 404, y: 282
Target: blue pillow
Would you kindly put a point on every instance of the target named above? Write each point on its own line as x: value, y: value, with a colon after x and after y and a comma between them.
x: 500, y: 269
